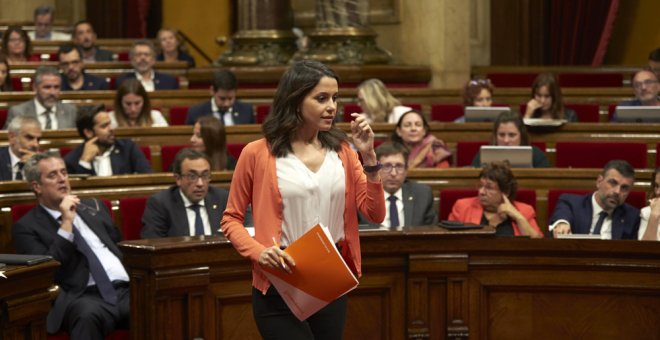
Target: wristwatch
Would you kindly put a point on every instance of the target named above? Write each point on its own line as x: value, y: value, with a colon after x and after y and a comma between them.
x: 369, y: 169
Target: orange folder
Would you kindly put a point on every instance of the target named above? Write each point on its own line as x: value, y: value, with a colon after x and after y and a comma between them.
x: 319, y: 277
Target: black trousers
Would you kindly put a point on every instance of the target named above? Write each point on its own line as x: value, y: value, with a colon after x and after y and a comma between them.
x: 275, y: 320
x: 89, y: 317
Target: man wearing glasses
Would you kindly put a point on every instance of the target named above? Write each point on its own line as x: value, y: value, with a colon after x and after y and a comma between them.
x: 408, y: 203
x: 189, y: 208
x: 72, y: 67
x: 646, y: 88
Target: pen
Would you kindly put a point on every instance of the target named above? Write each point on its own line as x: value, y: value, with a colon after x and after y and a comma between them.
x: 281, y: 259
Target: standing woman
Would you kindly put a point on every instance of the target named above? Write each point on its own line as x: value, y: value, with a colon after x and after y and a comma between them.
x: 302, y: 173
x: 547, y: 100
x: 133, y: 109
x: 210, y: 138
x: 16, y: 45
x: 170, y: 47
x: 5, y: 79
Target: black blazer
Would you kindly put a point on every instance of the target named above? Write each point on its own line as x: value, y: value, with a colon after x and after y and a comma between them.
x: 36, y: 233
x: 5, y: 165
x: 90, y: 83
x: 162, y: 81
x: 418, y: 206
x: 578, y: 211
x: 242, y: 113
x: 127, y: 158
x: 165, y: 214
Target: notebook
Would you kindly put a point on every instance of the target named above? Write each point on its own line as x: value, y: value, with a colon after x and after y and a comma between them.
x: 483, y: 114
x: 518, y: 156
x: 638, y: 114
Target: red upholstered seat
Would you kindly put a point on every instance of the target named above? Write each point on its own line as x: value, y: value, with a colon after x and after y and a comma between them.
x: 350, y: 108
x: 178, y: 115
x: 16, y: 84
x: 466, y: 150
x: 590, y: 79
x: 597, y: 154
x: 131, y: 209
x: 123, y: 56
x: 235, y: 149
x: 449, y: 196
x: 262, y: 112
x: 416, y: 107
x: 167, y: 154
x: 146, y: 150
x: 610, y: 111
x: 657, y: 156
x: 3, y: 117
x: 636, y: 198
x: 586, y: 113
x: 446, y: 112
x: 512, y: 79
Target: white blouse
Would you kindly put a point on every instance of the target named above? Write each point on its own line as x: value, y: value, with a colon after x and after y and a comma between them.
x: 156, y: 117
x: 645, y: 214
x: 309, y: 198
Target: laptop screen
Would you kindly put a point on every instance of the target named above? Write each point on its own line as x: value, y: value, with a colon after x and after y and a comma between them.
x: 483, y: 114
x: 638, y: 114
x: 518, y: 156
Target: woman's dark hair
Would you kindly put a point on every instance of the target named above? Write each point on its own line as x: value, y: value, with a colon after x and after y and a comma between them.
x: 473, y: 88
x: 500, y: 173
x: 397, y: 139
x: 557, y: 107
x: 213, y: 134
x: 7, y: 85
x: 5, y: 40
x: 132, y: 86
x: 285, y: 119
x: 510, y: 117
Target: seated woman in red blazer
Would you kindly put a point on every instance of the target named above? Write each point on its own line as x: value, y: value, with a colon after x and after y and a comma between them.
x: 495, y: 204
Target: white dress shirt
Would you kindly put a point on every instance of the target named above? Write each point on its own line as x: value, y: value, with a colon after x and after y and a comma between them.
x: 644, y: 215
x: 190, y: 213
x: 227, y: 117
x: 42, y: 118
x: 14, y: 164
x: 102, y: 164
x: 399, y: 208
x: 147, y: 84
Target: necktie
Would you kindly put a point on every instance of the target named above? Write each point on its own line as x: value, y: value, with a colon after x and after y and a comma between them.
x: 199, y: 225
x: 19, y: 171
x: 599, y: 224
x: 108, y: 292
x: 394, y: 212
x: 49, y: 122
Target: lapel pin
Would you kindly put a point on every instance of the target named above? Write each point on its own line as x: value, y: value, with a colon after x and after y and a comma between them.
x: 410, y: 198
x: 215, y: 206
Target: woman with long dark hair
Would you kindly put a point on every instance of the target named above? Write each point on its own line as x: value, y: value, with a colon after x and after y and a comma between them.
x: 210, y: 138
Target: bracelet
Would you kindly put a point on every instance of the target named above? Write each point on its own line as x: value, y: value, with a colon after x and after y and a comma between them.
x: 369, y: 169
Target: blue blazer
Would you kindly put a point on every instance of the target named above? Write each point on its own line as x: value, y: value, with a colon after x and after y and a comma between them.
x: 90, y: 83
x: 578, y: 211
x: 127, y: 158
x: 162, y: 81
x: 241, y: 112
x: 5, y: 164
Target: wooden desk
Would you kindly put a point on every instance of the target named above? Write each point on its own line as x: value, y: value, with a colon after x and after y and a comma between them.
x: 421, y: 283
x: 25, y: 299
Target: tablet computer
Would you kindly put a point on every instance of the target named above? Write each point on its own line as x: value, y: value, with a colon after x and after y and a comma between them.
x: 483, y: 114
x: 518, y: 156
x: 638, y: 114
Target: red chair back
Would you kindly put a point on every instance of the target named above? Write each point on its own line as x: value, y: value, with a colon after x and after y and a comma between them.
x: 512, y: 79
x: 178, y: 115
x: 446, y: 112
x: 146, y: 150
x: 16, y: 84
x: 262, y: 112
x: 449, y: 196
x: 3, y: 117
x: 610, y: 111
x: 235, y: 149
x: 350, y: 108
x: 590, y: 79
x: 586, y: 113
x: 467, y: 150
x: 167, y: 154
x: 132, y: 209
x: 597, y: 154
x: 416, y: 107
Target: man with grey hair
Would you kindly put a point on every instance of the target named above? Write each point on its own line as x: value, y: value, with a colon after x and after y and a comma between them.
x: 23, y: 134
x: 43, y: 25
x: 46, y: 106
x: 79, y: 233
x: 143, y: 59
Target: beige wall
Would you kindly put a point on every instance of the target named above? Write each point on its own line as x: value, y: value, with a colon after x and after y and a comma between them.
x: 67, y: 11
x: 635, y: 33
x: 202, y: 21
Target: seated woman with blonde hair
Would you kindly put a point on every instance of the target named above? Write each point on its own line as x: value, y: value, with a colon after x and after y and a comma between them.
x: 425, y: 150
x: 133, y: 109
x: 378, y: 104
x: 495, y: 204
x: 210, y: 138
x: 171, y: 48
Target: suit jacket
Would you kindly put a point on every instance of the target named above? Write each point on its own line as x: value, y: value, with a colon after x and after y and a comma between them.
x: 126, y: 158
x: 66, y: 113
x: 242, y: 113
x: 162, y: 81
x: 165, y: 214
x: 90, y: 83
x: 5, y: 165
x: 470, y: 210
x: 578, y: 211
x: 36, y: 233
x: 418, y: 207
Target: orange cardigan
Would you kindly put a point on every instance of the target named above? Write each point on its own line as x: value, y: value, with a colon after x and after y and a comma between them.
x: 470, y: 210
x: 255, y: 182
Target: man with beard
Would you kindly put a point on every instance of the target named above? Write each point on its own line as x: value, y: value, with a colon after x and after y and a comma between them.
x: 74, y: 77
x: 604, y: 212
x: 646, y: 87
x: 23, y: 134
x: 143, y: 59
x: 46, y: 106
x: 223, y: 104
x: 101, y: 154
x: 85, y: 38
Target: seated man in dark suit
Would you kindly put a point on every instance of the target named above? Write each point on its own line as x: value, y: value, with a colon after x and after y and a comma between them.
x: 604, y: 212
x: 408, y: 203
x: 646, y: 87
x: 101, y: 154
x: 79, y: 233
x: 23, y: 134
x: 85, y: 37
x: 191, y: 207
x: 143, y: 59
x: 223, y: 104
x: 46, y: 105
x: 74, y: 77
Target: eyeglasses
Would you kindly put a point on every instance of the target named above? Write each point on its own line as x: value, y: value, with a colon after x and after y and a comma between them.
x: 193, y: 177
x: 387, y: 167
x: 647, y: 82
